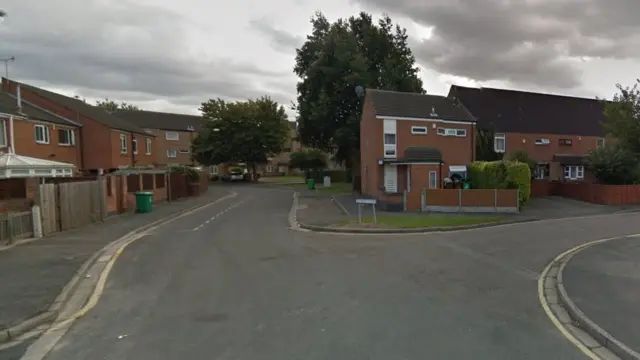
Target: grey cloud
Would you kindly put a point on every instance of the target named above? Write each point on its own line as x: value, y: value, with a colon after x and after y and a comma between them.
x: 525, y: 42
x: 131, y: 48
x: 280, y: 40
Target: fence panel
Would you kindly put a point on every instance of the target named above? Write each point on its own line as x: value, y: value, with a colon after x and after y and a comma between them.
x: 49, y: 208
x: 81, y: 203
x: 15, y: 226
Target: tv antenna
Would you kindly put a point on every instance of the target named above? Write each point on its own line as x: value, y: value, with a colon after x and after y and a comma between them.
x: 6, y: 65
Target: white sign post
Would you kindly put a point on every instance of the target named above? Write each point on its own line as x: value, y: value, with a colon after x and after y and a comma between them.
x: 361, y: 203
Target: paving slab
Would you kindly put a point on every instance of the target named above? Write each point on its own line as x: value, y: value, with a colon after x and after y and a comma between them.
x: 33, y: 274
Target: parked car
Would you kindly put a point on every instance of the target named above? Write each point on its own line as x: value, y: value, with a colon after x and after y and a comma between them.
x: 235, y: 174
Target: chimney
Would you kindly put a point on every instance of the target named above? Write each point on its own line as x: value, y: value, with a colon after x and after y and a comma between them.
x: 19, y: 95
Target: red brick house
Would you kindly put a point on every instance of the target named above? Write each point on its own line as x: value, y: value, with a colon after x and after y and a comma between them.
x: 557, y: 131
x: 174, y: 133
x: 106, y: 141
x: 410, y: 142
x: 37, y: 133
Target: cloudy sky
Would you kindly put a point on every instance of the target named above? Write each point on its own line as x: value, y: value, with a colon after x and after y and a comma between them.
x: 172, y: 55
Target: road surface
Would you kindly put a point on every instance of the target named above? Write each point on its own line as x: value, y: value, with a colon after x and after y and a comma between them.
x: 233, y: 282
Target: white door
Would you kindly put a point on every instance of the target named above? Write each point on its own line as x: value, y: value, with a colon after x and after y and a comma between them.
x: 391, y: 178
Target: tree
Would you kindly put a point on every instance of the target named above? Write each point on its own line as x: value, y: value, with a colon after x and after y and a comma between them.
x: 623, y: 117
x: 112, y: 106
x: 309, y: 161
x: 2, y: 13
x: 614, y: 164
x: 336, y: 58
x: 485, y: 146
x: 244, y: 131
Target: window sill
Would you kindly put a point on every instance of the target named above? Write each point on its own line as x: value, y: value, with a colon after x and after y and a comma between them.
x: 42, y: 142
x: 66, y: 145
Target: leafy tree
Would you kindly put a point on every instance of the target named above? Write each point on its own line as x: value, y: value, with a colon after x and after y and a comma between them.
x: 484, y: 146
x: 614, y: 164
x: 336, y: 58
x: 248, y: 131
x: 308, y: 160
x: 3, y: 13
x: 112, y: 106
x: 623, y: 117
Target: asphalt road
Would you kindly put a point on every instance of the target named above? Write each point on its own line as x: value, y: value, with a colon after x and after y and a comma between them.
x: 604, y: 282
x: 243, y: 286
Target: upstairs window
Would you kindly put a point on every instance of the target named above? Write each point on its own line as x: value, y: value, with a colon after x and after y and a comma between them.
x: 565, y: 142
x: 41, y: 134
x: 172, y: 135
x: 419, y: 130
x: 123, y: 144
x: 543, y: 142
x: 66, y: 137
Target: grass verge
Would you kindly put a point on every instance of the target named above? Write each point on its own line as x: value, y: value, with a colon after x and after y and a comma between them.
x: 421, y: 221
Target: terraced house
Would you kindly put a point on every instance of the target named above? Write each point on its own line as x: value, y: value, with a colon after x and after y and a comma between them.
x: 173, y: 134
x: 410, y: 142
x: 105, y: 141
x: 557, y: 131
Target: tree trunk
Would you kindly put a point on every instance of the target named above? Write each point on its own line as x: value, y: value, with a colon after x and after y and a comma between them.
x: 254, y: 173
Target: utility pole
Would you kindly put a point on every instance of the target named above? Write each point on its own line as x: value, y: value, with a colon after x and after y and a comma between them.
x: 6, y: 65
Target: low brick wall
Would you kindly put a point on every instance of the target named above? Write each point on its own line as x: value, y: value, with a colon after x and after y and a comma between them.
x: 470, y: 200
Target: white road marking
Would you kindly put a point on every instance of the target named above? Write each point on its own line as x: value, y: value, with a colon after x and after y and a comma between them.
x: 217, y: 215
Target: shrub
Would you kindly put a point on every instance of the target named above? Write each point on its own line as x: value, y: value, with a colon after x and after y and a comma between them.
x: 192, y: 174
x: 502, y: 175
x: 614, y: 165
x: 519, y: 176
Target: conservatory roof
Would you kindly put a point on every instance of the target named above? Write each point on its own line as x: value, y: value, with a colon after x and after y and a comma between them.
x: 18, y: 166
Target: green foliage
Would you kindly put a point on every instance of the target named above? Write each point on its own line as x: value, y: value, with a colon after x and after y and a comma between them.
x: 523, y: 157
x: 614, y: 164
x: 335, y: 59
x: 3, y: 13
x: 501, y: 175
x: 623, y: 117
x: 244, y: 131
x: 485, y: 147
x: 192, y: 174
x: 112, y: 106
x: 308, y: 160
x: 519, y: 176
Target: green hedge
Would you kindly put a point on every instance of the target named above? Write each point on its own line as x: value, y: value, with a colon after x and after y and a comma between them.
x: 501, y: 175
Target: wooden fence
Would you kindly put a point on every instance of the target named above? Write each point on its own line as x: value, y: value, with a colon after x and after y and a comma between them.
x: 71, y: 205
x: 470, y: 200
x: 14, y: 226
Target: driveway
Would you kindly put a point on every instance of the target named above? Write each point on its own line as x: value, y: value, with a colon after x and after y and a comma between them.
x: 238, y: 284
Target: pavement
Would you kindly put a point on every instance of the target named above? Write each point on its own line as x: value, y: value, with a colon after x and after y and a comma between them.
x: 604, y: 282
x: 33, y: 274
x: 233, y: 281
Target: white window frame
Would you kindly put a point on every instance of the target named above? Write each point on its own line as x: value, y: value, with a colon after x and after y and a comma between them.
x: 419, y: 130
x: 390, y: 148
x: 148, y: 150
x: 543, y: 141
x: 540, y: 175
x: 496, y: 137
x: 46, y: 136
x: 3, y: 136
x: 433, y: 179
x: 123, y: 144
x: 213, y: 169
x: 567, y: 142
x: 72, y: 137
x: 574, y: 172
x: 172, y: 151
x: 134, y: 145
x: 600, y: 143
x: 451, y: 132
x: 172, y: 135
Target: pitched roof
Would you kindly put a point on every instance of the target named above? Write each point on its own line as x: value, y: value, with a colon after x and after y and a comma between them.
x: 161, y: 120
x: 528, y: 112
x: 9, y: 105
x: 413, y: 105
x: 96, y: 113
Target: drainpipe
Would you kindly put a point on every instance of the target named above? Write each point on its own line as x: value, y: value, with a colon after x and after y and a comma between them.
x: 11, y: 138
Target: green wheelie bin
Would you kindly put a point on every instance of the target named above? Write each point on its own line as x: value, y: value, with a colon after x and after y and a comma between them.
x: 144, y: 202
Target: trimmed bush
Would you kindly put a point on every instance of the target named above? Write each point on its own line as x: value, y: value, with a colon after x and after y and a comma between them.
x: 501, y: 175
x: 519, y: 176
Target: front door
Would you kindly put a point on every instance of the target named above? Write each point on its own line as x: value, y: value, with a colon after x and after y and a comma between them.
x: 391, y: 178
